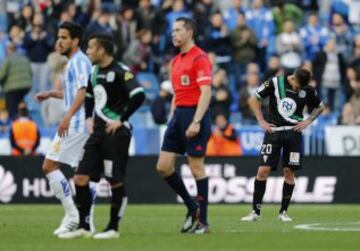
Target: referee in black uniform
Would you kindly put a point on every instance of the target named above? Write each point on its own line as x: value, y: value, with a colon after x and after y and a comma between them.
x: 288, y: 96
x: 115, y: 94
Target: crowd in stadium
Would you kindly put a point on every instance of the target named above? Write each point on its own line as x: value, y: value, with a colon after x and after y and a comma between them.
x: 247, y: 42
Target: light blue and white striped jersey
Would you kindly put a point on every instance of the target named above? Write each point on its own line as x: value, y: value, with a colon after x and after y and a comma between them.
x: 77, y: 74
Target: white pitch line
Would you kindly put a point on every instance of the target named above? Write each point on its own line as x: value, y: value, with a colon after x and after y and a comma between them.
x: 323, y: 227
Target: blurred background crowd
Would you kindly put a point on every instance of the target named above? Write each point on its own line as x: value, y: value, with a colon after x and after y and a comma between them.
x: 248, y: 41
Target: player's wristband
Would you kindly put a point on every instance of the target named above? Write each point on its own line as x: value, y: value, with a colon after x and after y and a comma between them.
x: 196, y: 121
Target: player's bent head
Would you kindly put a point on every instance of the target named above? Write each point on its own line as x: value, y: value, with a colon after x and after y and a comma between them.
x: 302, y: 76
x: 189, y: 24
x: 74, y: 29
x: 105, y: 41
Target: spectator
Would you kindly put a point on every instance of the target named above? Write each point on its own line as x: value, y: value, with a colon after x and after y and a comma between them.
x: 100, y: 24
x: 355, y: 101
x: 223, y: 140
x: 314, y: 37
x: 52, y: 110
x: 246, y: 92
x: 289, y: 47
x: 286, y: 11
x: 125, y: 33
x: 145, y: 13
x: 3, y: 43
x: 39, y: 44
x: 24, y: 133
x: 217, y: 39
x: 202, y: 10
x: 343, y: 36
x: 137, y: 57
x: 329, y: 70
x: 15, y: 78
x: 17, y: 38
x: 4, y: 120
x: 231, y: 14
x: 273, y: 68
x: 260, y: 20
x: 221, y: 96
x: 347, y: 115
x: 160, y: 107
x: 243, y: 43
x: 26, y: 17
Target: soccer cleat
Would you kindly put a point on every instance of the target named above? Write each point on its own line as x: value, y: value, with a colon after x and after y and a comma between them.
x: 191, y: 220
x: 251, y: 217
x: 109, y: 234
x: 78, y: 233
x: 283, y: 216
x: 69, y: 223
x: 201, y: 229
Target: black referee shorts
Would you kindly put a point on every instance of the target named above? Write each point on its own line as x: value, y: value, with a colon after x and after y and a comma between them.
x: 106, y: 154
x: 288, y: 142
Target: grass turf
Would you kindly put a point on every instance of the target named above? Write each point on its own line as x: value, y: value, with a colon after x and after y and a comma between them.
x: 156, y: 227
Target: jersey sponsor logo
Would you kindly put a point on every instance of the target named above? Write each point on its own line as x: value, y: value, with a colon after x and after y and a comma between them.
x: 185, y: 80
x: 110, y: 76
x: 128, y: 75
x: 7, y: 185
x: 287, y: 107
x: 302, y: 94
x: 294, y: 158
x: 100, y: 97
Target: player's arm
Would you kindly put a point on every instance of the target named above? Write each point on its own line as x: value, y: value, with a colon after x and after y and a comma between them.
x: 202, y: 107
x: 254, y: 103
x: 89, y: 107
x: 59, y: 94
x: 203, y: 72
x: 313, y: 101
x: 136, y: 98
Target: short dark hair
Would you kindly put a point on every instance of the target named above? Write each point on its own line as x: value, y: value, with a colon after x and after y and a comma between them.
x: 303, y: 76
x: 105, y: 40
x: 189, y: 24
x: 74, y: 29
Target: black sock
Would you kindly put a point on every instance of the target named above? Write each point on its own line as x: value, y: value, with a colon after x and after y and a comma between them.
x: 287, y: 193
x: 118, y: 205
x: 259, y: 190
x: 177, y: 184
x: 203, y: 188
x: 83, y: 201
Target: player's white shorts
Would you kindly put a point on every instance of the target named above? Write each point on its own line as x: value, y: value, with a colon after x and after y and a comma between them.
x: 68, y: 150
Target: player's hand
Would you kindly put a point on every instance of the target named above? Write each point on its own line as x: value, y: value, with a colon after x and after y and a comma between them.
x: 42, y: 96
x: 267, y: 127
x: 302, y: 125
x: 192, y: 130
x: 112, y: 127
x: 90, y: 125
x: 64, y: 127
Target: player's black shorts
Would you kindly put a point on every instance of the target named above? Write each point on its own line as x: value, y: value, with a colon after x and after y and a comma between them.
x: 106, y: 154
x: 175, y: 140
x: 288, y: 142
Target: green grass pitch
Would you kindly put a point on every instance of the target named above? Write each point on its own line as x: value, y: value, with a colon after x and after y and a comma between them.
x: 156, y: 227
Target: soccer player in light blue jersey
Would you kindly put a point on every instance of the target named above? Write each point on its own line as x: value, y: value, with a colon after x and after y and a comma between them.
x: 67, y: 145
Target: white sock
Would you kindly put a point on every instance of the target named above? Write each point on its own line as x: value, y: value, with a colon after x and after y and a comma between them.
x: 92, y: 186
x: 62, y: 190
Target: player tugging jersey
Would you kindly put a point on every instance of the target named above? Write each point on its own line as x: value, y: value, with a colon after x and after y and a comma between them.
x: 286, y: 105
x: 115, y: 92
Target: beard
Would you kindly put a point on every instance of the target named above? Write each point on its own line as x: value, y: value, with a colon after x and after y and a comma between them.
x: 66, y: 52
